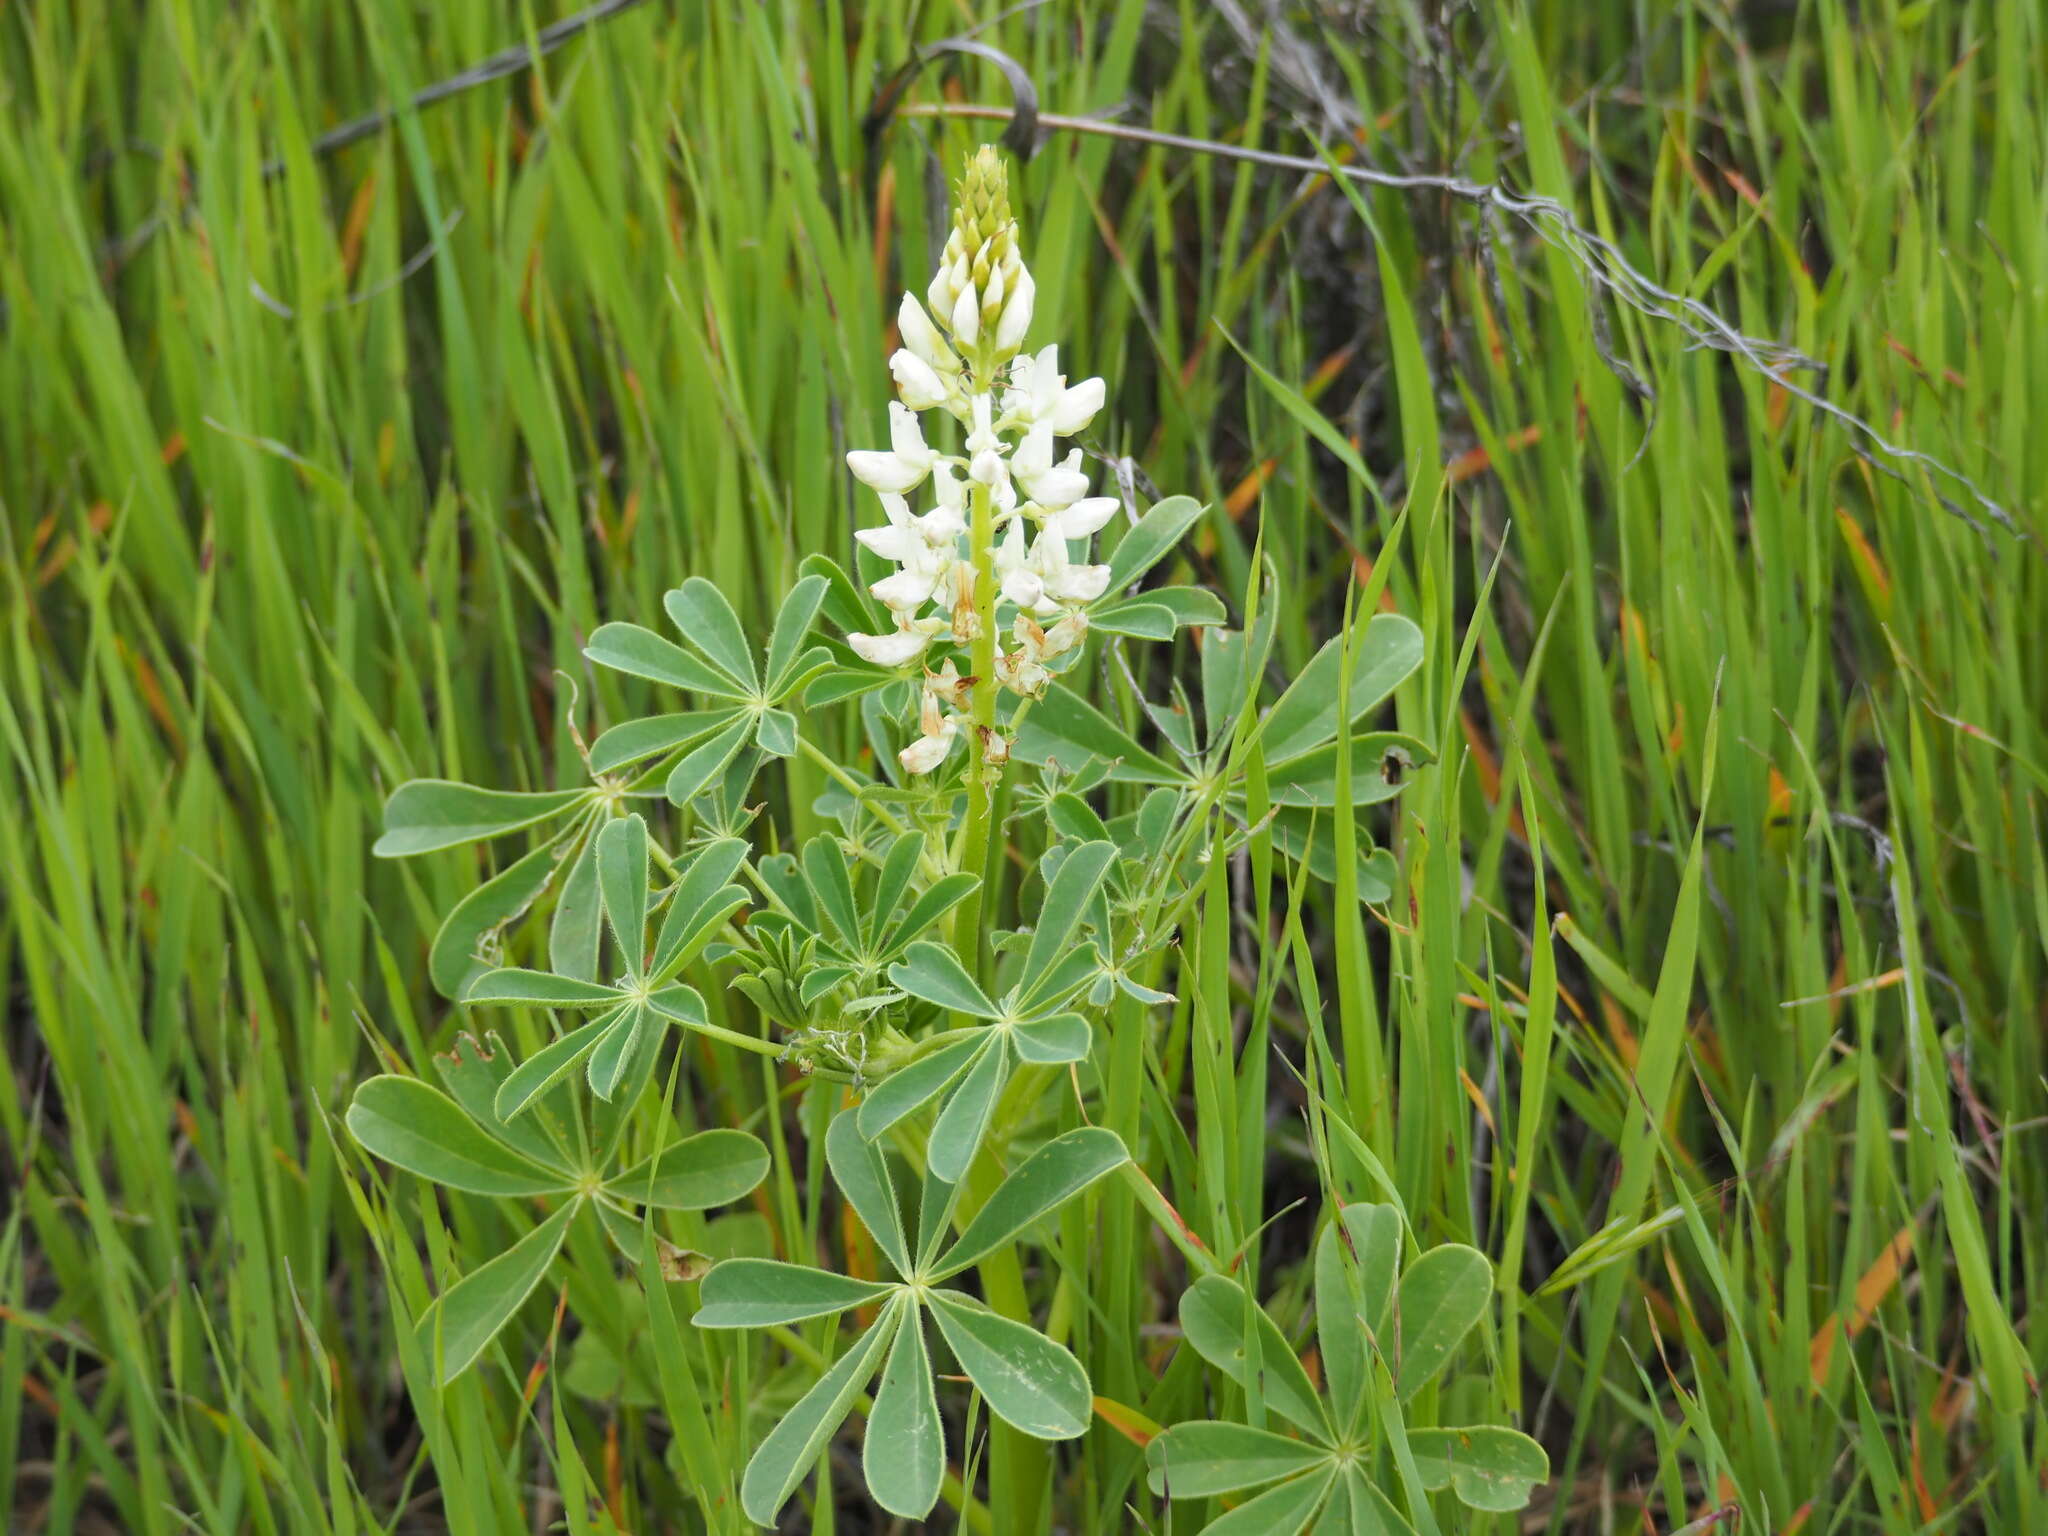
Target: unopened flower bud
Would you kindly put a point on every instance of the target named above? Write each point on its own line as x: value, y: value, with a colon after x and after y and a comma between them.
x: 1016, y: 315
x: 922, y: 337
x: 966, y: 316
x: 916, y: 380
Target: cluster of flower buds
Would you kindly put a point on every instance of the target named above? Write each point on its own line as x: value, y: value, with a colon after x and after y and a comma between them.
x: 963, y: 357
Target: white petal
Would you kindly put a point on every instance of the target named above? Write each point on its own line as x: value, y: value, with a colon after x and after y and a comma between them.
x: 927, y: 752
x: 941, y: 526
x: 1079, y: 584
x: 922, y: 337
x: 884, y: 471
x: 1034, y: 454
x: 948, y: 487
x: 1077, y: 407
x: 1057, y: 488
x: 1024, y: 588
x: 890, y: 650
x: 988, y: 468
x: 967, y: 316
x: 906, y: 439
x: 916, y: 380
x: 1016, y: 318
x: 940, y: 294
x: 908, y: 589
x: 898, y: 544
x: 1010, y: 552
x: 1083, y: 517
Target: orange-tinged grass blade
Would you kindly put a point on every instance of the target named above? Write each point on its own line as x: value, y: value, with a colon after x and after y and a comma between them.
x: 1871, y: 1290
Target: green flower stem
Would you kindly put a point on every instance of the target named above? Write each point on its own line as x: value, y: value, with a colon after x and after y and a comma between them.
x: 981, y: 774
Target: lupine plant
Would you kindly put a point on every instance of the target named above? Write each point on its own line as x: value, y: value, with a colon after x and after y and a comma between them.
x: 948, y: 1064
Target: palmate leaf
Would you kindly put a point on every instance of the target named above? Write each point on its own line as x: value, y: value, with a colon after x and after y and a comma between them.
x: 862, y: 1175
x: 969, y: 1073
x: 1358, y: 1507
x: 707, y: 623
x: 934, y: 974
x: 1203, y: 1459
x: 634, y: 741
x: 418, y: 1128
x: 470, y: 1313
x: 1282, y: 1511
x: 1036, y: 1187
x: 1030, y: 1382
x: 1384, y: 656
x: 622, y: 884
x: 641, y: 652
x: 1442, y: 1294
x: 1216, y: 1314
x: 472, y: 1073
x: 1380, y: 764
x: 578, y: 926
x: 1488, y: 1467
x: 490, y: 907
x: 793, y: 621
x: 791, y: 1448
x: 1415, y: 1324
x: 1354, y: 1285
x: 761, y: 1293
x: 1068, y: 894
x: 711, y: 1168
x: 554, y: 1061
x: 705, y: 762
x: 1151, y: 539
x: 903, y: 1457
x: 1064, y: 728
x: 957, y: 1133
x: 699, y: 905
x: 910, y: 1088
x: 426, y: 815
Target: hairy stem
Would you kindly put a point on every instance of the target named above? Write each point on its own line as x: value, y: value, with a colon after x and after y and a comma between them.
x: 981, y: 774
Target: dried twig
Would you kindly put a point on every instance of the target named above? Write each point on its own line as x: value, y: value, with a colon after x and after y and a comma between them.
x: 1596, y: 257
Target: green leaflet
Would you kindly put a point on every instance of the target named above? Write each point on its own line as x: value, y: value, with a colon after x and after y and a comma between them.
x: 422, y: 1130
x: 426, y: 815
x: 460, y: 1325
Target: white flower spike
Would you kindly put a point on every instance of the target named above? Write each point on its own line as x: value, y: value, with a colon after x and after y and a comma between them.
x: 1002, y: 532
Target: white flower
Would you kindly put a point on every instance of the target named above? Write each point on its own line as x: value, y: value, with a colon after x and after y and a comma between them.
x: 1064, y: 581
x: 917, y: 381
x: 906, y: 463
x: 1021, y: 584
x: 883, y: 472
x: 927, y: 752
x: 903, y: 645
x: 967, y: 316
x: 922, y: 337
x: 1042, y: 578
x: 938, y: 730
x: 1077, y: 407
x: 1083, y: 518
x: 1051, y: 485
x: 1038, y: 392
x: 952, y: 493
x: 1016, y: 318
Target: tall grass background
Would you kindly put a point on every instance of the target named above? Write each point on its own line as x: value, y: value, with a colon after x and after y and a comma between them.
x: 1714, y: 969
